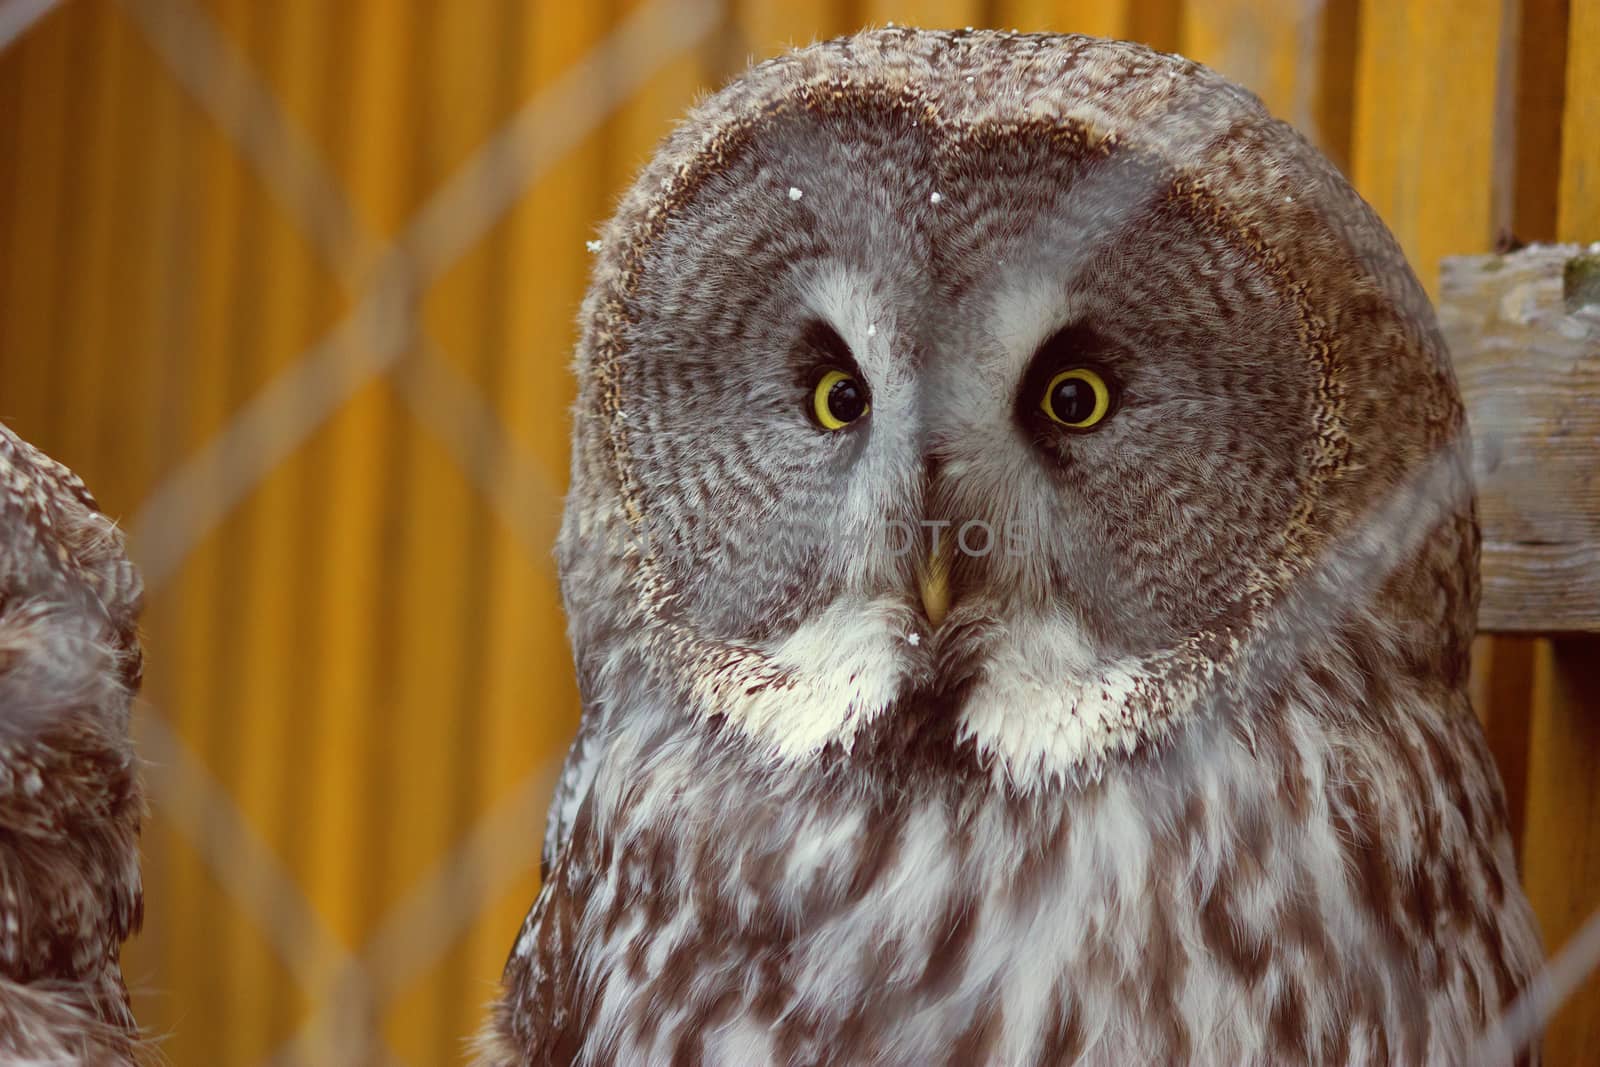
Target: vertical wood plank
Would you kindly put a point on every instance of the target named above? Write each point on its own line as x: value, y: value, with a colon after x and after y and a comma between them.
x: 80, y: 386
x: 1300, y: 59
x: 640, y: 125
x: 925, y: 14
x: 1270, y: 48
x: 769, y: 27
x: 1536, y: 90
x: 1425, y: 111
x: 1502, y: 695
x: 1111, y: 18
x: 1335, y: 106
x: 1579, y: 210
x: 31, y: 263
x: 1157, y: 23
x: 347, y: 724
x: 137, y: 304
x: 1561, y: 849
x: 10, y: 97
x: 86, y: 32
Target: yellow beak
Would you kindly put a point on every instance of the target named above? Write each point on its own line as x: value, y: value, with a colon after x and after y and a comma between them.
x: 935, y: 584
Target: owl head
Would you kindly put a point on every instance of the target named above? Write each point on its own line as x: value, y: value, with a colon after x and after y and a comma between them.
x: 1006, y: 400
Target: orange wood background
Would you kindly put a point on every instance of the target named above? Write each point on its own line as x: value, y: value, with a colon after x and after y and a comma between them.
x: 343, y: 476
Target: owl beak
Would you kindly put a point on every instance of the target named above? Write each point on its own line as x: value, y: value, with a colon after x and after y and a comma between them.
x: 933, y: 581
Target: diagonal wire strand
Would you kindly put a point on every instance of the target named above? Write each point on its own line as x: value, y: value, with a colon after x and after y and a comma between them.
x: 17, y: 17
x: 1562, y: 976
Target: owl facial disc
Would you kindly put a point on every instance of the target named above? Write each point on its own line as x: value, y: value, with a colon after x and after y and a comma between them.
x: 1114, y: 344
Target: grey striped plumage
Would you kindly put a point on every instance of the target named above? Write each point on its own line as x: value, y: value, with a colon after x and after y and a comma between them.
x: 70, y: 800
x: 1191, y: 776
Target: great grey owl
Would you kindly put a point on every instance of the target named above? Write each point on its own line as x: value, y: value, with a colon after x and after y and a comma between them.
x: 1020, y: 563
x: 70, y: 799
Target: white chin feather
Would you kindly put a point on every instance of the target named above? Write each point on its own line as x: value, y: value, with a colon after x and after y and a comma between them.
x: 1048, y: 707
x: 1040, y: 729
x: 844, y: 668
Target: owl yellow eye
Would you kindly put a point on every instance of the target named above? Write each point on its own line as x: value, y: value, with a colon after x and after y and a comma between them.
x: 1077, y: 398
x: 838, y: 400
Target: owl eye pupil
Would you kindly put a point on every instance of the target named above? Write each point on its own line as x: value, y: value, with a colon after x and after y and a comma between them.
x: 1077, y: 398
x: 838, y: 399
x: 845, y: 400
x: 1073, y: 400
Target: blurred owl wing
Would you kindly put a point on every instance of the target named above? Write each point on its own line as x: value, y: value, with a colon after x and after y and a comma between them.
x: 70, y: 799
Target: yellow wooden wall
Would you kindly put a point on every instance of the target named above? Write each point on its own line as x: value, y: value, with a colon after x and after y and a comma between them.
x: 341, y: 466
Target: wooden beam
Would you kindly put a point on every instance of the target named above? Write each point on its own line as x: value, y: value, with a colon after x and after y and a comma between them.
x: 1561, y: 849
x: 1529, y: 368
